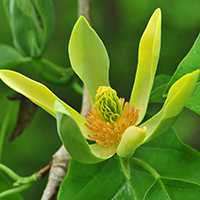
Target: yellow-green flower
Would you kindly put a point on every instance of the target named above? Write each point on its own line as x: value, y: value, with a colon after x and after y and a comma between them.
x: 113, y: 124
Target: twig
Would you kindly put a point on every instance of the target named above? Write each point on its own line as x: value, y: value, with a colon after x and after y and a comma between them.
x: 57, y: 173
x: 84, y: 8
x: 61, y: 157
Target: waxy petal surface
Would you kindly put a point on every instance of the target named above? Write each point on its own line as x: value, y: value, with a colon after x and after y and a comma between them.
x: 38, y: 94
x: 178, y: 96
x: 74, y: 141
x: 149, y: 50
x: 89, y: 58
x: 131, y: 139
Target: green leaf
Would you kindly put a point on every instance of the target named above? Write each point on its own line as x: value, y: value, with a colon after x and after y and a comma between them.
x: 88, y: 57
x: 194, y: 101
x: 189, y: 64
x: 149, y: 50
x: 10, y: 58
x: 160, y: 83
x: 169, y: 189
x: 178, y: 95
x: 6, y: 4
x: 95, y: 180
x: 6, y: 185
x: 46, y: 11
x: 171, y: 158
x: 25, y: 27
x: 163, y: 162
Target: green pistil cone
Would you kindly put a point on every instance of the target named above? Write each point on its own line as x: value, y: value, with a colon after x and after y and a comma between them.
x: 108, y: 104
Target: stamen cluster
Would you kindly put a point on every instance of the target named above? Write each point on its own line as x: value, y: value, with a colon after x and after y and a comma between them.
x: 109, y: 130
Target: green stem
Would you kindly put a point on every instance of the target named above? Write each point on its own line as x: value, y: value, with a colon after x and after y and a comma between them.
x: 59, y: 70
x: 15, y: 190
x: 65, y: 75
x: 19, y: 180
x: 4, y: 127
x: 125, y: 163
x: 146, y: 166
x: 26, y: 60
x: 77, y: 87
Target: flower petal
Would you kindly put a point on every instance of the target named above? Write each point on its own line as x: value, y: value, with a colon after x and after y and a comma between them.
x: 178, y: 96
x: 131, y: 139
x: 149, y: 49
x: 88, y: 57
x: 64, y: 109
x: 39, y: 94
x: 103, y: 152
x: 74, y: 141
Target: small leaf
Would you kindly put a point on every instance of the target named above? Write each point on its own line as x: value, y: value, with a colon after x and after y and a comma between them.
x: 149, y: 50
x: 172, y: 189
x: 10, y: 58
x: 46, y: 11
x: 88, y: 57
x: 25, y: 27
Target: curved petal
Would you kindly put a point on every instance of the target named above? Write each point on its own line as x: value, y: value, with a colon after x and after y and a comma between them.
x: 88, y: 57
x: 74, y: 141
x: 178, y: 96
x: 39, y: 94
x: 149, y: 49
x: 131, y: 139
x: 100, y: 151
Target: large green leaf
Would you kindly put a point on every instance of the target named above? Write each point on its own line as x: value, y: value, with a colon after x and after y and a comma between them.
x: 189, y: 64
x: 88, y: 57
x: 164, y: 166
x: 172, y: 189
x: 6, y: 185
x: 92, y: 181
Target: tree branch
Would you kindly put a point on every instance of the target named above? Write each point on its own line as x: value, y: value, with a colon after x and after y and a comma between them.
x: 57, y: 173
x: 61, y: 157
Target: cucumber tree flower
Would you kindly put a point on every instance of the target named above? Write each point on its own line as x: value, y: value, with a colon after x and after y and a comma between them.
x: 113, y: 125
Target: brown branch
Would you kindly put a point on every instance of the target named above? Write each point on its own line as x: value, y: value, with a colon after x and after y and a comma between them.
x: 57, y: 173
x: 84, y: 8
x: 61, y: 157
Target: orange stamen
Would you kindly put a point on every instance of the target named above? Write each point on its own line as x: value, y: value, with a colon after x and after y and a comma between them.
x: 108, y: 133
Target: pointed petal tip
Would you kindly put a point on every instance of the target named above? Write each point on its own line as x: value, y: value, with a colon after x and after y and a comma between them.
x: 157, y: 14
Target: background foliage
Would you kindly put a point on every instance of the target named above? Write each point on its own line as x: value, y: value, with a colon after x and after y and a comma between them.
x: 120, y: 25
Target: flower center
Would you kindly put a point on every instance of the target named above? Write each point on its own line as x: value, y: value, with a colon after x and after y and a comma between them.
x: 110, y: 117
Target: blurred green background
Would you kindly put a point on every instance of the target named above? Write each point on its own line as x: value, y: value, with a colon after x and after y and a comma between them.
x: 120, y: 25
